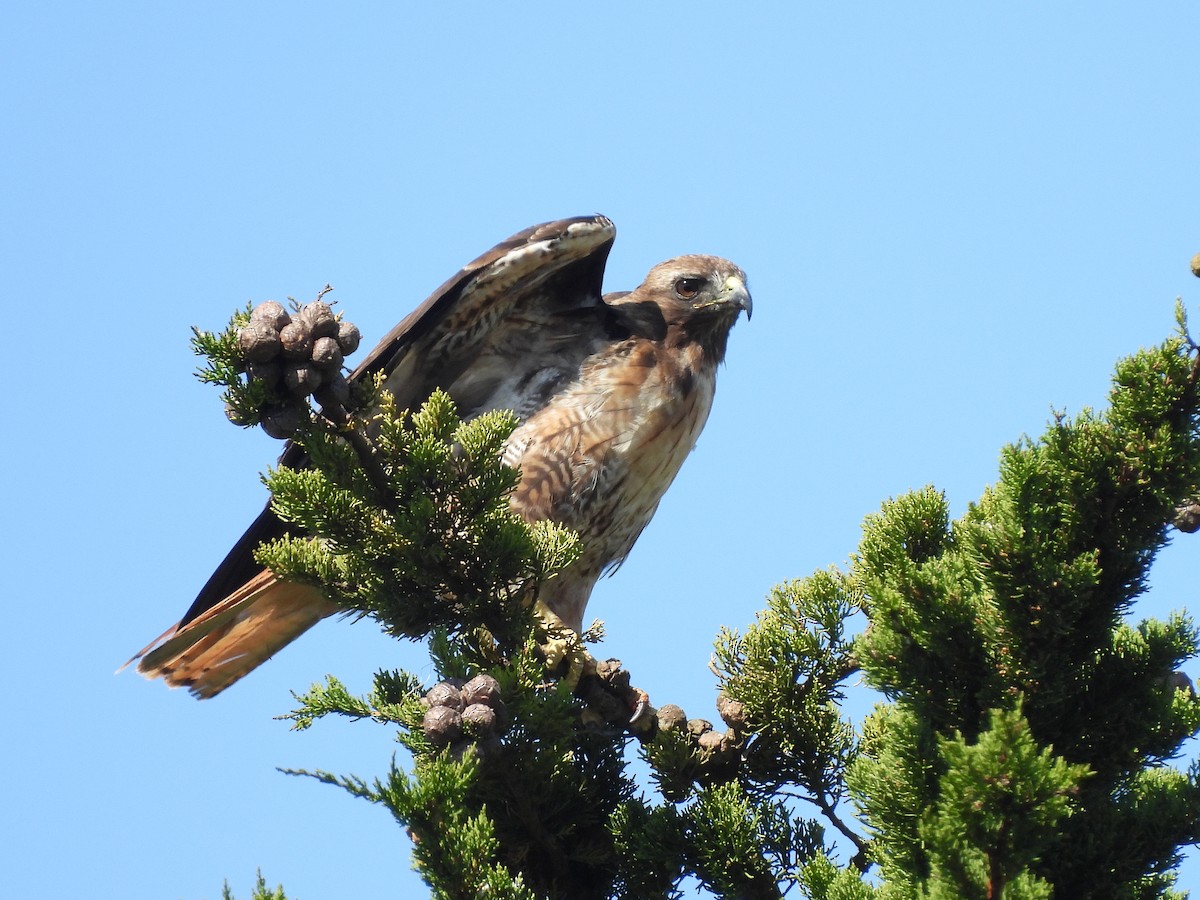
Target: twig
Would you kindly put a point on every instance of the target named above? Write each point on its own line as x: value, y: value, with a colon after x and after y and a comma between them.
x: 336, y: 415
x: 859, y: 860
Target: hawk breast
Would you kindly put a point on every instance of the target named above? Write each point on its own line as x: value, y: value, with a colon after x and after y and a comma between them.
x: 599, y: 459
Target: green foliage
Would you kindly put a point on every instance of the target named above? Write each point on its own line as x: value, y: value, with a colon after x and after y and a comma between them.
x: 542, y: 802
x: 1016, y: 681
x: 999, y: 803
x: 1023, y: 751
x: 728, y: 834
x: 788, y: 671
x: 894, y: 780
x: 223, y: 366
x: 437, y: 803
x: 395, y: 699
x: 676, y: 764
x: 429, y: 543
x: 650, y: 847
x: 822, y: 879
x: 261, y: 891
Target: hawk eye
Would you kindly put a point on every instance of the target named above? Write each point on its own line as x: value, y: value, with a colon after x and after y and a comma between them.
x: 687, y: 288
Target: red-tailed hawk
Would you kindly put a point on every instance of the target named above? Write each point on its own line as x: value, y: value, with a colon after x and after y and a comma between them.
x: 611, y: 390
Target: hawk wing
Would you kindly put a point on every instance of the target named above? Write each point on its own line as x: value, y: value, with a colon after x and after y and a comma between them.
x: 501, y: 333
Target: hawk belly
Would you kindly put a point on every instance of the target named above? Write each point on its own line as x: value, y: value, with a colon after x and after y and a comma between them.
x: 600, y: 459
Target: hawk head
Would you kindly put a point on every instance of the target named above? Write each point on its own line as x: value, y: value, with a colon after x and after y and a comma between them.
x: 699, y: 295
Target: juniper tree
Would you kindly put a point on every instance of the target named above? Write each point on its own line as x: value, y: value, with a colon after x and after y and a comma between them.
x: 1021, y: 748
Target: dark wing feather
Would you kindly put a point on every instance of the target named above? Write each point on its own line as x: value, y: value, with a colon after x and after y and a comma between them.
x: 551, y: 269
x: 238, y: 567
x: 554, y: 267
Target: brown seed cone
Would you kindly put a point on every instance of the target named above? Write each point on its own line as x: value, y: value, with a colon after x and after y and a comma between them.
x: 671, y: 717
x: 320, y: 319
x: 271, y: 373
x: 282, y: 422
x: 334, y: 392
x: 479, y: 721
x: 271, y: 312
x: 237, y: 418
x: 591, y: 719
x: 348, y: 337
x: 442, y: 725
x: 296, y: 340
x: 302, y: 380
x: 445, y: 694
x: 326, y: 353
x: 481, y: 689
x: 732, y: 712
x: 258, y: 342
x: 1187, y: 517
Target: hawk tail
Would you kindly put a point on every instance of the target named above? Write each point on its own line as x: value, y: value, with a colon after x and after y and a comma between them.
x: 224, y: 643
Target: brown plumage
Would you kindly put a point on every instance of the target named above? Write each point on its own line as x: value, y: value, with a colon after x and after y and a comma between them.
x: 612, y: 392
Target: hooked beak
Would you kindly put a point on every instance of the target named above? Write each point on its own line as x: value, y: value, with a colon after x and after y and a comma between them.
x: 735, y: 293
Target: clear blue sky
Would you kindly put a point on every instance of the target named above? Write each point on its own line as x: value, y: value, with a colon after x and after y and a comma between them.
x: 954, y: 217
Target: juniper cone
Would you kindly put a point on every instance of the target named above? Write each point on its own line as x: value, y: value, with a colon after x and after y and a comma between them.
x: 1181, y: 682
x: 335, y: 391
x: 297, y: 340
x: 445, y: 694
x: 348, y: 337
x: 442, y: 725
x: 272, y: 313
x: 1187, y: 518
x: 258, y: 342
x: 302, y: 380
x: 282, y: 422
x: 238, y: 417
x: 270, y: 373
x: 284, y: 354
x: 732, y: 712
x: 320, y: 319
x: 671, y: 717
x: 481, y: 689
x: 479, y: 721
x: 326, y: 353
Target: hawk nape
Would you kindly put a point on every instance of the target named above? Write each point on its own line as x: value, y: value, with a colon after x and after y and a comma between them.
x: 611, y: 391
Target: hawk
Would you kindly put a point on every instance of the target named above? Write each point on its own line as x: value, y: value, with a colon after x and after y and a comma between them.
x: 611, y: 391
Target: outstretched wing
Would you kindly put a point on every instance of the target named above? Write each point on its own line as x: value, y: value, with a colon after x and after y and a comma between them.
x: 490, y: 336
x: 539, y: 276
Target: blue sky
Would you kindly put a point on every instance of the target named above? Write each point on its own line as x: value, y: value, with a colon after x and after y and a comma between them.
x: 954, y: 218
